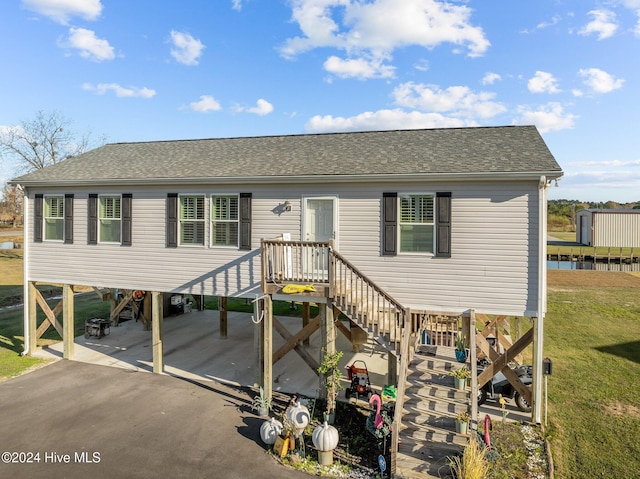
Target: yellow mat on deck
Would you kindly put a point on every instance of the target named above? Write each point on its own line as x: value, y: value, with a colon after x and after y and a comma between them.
x: 298, y: 288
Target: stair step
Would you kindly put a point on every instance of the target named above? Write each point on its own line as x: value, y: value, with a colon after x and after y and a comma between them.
x: 432, y: 452
x: 433, y: 408
x: 418, y: 433
x: 411, y: 467
x: 424, y: 389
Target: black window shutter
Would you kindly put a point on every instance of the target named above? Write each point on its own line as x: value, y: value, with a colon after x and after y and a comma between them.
x: 68, y: 219
x: 172, y: 220
x: 389, y: 224
x: 245, y: 221
x: 92, y: 219
x: 127, y: 200
x: 38, y: 217
x: 443, y: 225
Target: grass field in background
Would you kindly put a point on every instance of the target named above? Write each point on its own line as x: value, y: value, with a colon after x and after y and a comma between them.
x: 592, y: 334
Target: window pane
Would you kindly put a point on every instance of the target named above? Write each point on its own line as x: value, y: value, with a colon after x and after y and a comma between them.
x: 224, y: 208
x: 192, y: 232
x: 225, y: 234
x: 416, y: 209
x: 54, y: 229
x: 110, y: 207
x: 416, y: 239
x: 110, y: 231
x: 54, y: 207
x: 192, y: 207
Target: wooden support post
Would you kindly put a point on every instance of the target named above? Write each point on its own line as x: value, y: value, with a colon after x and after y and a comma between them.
x: 306, y: 316
x: 268, y: 347
x: 258, y: 342
x: 222, y: 308
x: 471, y: 332
x: 327, y: 338
x: 156, y: 320
x: 392, y: 369
x: 68, y: 329
x: 32, y: 317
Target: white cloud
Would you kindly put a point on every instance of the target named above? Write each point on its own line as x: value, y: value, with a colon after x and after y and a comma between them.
x: 603, y: 24
x: 609, y: 163
x: 262, y: 108
x: 600, y: 81
x: 88, y: 45
x: 120, y: 91
x: 543, y: 82
x: 458, y: 101
x: 383, y: 120
x: 549, y: 117
x: 205, y: 104
x: 186, y: 49
x: 490, y: 78
x: 374, y: 29
x: 236, y: 4
x: 62, y: 11
x: 358, y: 68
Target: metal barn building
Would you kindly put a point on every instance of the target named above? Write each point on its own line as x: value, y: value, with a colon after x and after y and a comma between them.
x: 616, y: 228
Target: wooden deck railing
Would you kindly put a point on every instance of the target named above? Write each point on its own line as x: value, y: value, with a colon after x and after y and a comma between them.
x: 295, y: 261
x: 364, y: 302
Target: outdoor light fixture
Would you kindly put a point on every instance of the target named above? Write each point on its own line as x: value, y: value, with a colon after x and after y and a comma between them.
x: 286, y: 206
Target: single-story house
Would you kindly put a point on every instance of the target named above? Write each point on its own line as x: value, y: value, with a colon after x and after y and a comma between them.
x: 436, y: 220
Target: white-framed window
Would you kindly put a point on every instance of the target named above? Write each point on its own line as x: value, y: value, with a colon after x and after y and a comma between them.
x: 417, y: 223
x: 224, y: 220
x: 54, y: 217
x: 110, y: 218
x: 191, y: 217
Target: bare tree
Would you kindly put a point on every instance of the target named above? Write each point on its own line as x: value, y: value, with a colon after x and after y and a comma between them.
x: 41, y: 142
x: 11, y: 204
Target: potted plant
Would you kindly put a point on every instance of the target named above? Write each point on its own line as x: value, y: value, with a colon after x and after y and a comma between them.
x: 462, y: 422
x: 331, y: 374
x: 460, y: 377
x: 261, y: 403
x: 461, y: 352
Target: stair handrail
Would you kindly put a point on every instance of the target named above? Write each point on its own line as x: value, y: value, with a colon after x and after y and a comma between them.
x: 405, y: 359
x: 373, y: 285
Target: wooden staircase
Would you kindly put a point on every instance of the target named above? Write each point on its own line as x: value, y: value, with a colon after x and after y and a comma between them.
x: 428, y: 402
x: 427, y: 434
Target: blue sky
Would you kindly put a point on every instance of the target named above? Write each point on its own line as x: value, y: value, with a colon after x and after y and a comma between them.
x: 159, y: 70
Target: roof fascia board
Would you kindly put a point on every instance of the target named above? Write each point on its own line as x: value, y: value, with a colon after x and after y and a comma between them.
x: 430, y: 177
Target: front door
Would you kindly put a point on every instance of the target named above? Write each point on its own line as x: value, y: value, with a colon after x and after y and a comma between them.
x: 319, y: 225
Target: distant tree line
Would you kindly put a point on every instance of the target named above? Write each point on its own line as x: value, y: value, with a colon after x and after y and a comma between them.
x: 561, y: 214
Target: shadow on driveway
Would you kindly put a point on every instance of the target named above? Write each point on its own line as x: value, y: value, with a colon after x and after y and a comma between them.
x: 78, y: 420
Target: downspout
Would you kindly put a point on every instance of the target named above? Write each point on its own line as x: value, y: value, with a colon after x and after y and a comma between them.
x: 538, y: 340
x: 25, y: 269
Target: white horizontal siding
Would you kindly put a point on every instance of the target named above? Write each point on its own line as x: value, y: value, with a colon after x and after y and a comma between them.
x: 493, y: 267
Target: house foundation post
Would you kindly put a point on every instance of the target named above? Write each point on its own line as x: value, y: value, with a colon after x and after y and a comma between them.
x: 258, y: 341
x: 392, y: 369
x: 327, y: 338
x: 267, y: 371
x: 222, y: 308
x: 156, y: 331
x: 306, y: 316
x: 32, y: 317
x: 68, y: 327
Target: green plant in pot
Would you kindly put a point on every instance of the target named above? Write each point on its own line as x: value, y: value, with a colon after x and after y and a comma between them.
x: 460, y: 377
x: 261, y: 404
x: 461, y: 351
x: 462, y: 422
x: 332, y: 376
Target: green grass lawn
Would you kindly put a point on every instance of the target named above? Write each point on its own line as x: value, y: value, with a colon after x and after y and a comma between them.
x: 593, y: 337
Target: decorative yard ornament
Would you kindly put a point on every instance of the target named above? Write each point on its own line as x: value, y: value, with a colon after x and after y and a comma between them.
x: 325, y: 440
x: 270, y: 430
x: 298, y: 415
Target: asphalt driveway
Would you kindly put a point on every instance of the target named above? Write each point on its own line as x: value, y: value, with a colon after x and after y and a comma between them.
x: 76, y: 420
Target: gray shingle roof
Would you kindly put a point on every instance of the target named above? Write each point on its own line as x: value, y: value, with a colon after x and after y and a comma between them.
x: 496, y: 150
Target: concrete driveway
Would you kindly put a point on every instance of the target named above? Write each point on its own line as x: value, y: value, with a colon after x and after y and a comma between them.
x: 83, y: 420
